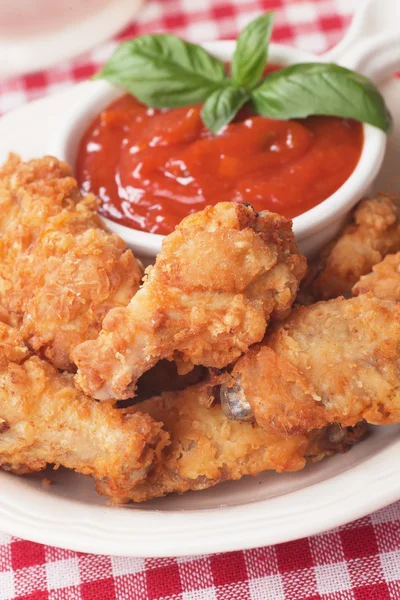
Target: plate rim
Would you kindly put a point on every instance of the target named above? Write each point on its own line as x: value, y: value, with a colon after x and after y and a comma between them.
x: 76, y: 526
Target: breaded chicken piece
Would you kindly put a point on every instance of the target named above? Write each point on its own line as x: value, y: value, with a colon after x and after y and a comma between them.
x: 335, y: 361
x: 207, y: 448
x: 373, y: 232
x: 384, y: 281
x: 45, y: 420
x: 61, y: 271
x: 220, y: 277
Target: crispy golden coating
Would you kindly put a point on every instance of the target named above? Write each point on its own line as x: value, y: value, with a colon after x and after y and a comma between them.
x: 9, y: 318
x: 373, y: 232
x: 60, y: 269
x: 220, y: 276
x: 12, y: 347
x: 335, y: 361
x: 207, y: 448
x: 384, y: 281
x: 45, y: 420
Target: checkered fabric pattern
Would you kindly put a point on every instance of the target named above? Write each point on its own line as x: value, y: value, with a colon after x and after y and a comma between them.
x: 360, y: 561
x: 313, y: 25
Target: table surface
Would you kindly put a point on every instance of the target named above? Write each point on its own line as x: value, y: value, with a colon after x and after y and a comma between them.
x: 360, y: 561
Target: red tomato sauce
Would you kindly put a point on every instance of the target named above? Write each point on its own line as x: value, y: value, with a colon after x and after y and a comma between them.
x: 150, y: 168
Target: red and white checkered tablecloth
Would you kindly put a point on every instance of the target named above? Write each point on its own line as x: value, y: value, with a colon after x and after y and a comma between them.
x: 360, y: 561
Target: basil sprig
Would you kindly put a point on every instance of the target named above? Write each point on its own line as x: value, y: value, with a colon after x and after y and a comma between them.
x: 163, y: 71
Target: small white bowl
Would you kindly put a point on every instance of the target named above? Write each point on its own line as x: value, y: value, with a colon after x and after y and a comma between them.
x: 313, y: 228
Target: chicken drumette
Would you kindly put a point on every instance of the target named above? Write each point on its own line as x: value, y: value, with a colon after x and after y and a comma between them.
x: 207, y: 448
x: 45, y: 420
x: 331, y: 362
x: 219, y: 279
x: 373, y: 231
x: 61, y: 271
x: 383, y: 281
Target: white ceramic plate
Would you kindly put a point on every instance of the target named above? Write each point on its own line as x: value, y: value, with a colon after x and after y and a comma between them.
x: 252, y: 512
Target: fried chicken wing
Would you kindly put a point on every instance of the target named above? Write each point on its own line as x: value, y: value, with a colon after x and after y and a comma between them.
x: 61, y: 271
x: 207, y: 448
x: 335, y: 361
x: 384, y: 281
x: 45, y: 420
x: 220, y: 277
x: 373, y: 232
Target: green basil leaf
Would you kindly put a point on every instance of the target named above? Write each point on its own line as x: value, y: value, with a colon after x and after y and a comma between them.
x: 164, y: 71
x: 321, y: 89
x: 251, y: 52
x: 221, y: 107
